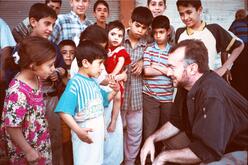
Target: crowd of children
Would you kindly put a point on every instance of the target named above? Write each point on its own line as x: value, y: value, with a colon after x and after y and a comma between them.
x: 84, y: 93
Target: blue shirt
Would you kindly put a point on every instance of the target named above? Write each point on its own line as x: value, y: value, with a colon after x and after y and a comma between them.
x: 83, y: 94
x: 68, y: 27
x: 6, y: 38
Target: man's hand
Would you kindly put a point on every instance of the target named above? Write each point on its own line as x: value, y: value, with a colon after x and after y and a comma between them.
x: 114, y: 84
x: 148, y: 148
x: 160, y: 159
x: 137, y: 68
x: 84, y: 136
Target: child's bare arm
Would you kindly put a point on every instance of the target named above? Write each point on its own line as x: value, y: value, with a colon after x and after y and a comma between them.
x: 82, y: 133
x: 151, y: 71
x: 115, y: 112
x: 119, y: 66
x: 162, y: 69
x: 17, y: 137
x: 115, y: 86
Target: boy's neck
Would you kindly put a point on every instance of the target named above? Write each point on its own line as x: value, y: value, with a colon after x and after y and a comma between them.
x: 133, y: 40
x: 162, y: 46
x: 83, y: 72
x: 101, y: 24
x: 197, y: 26
x: 82, y: 17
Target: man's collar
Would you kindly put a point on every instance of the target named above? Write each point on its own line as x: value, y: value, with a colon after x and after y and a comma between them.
x: 191, y: 31
x: 198, y: 83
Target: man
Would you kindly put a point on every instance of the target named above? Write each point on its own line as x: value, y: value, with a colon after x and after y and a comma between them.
x: 214, y: 116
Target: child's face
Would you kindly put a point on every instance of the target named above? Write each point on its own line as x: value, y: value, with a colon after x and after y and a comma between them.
x: 115, y: 37
x: 190, y: 16
x: 95, y: 68
x: 68, y: 53
x: 80, y: 6
x: 157, y: 7
x: 43, y: 27
x: 161, y: 35
x: 101, y: 13
x: 55, y: 6
x: 44, y: 70
x: 137, y: 30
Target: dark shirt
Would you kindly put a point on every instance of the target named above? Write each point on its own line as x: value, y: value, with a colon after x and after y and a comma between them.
x: 214, y: 116
x: 240, y: 29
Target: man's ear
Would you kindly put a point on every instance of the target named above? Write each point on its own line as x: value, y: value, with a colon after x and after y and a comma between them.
x: 32, y: 22
x: 193, y: 69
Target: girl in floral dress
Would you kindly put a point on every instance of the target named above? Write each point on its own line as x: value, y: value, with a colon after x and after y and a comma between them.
x: 24, y: 121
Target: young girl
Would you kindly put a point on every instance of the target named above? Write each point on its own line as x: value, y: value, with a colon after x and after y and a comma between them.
x: 114, y: 64
x: 24, y: 120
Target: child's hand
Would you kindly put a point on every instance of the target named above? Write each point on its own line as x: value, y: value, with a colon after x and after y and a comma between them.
x: 54, y: 76
x: 114, y: 85
x: 137, y: 68
x: 32, y: 156
x: 84, y: 136
x: 111, y: 126
x: 160, y: 68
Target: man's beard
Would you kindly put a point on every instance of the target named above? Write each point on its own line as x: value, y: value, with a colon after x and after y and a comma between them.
x: 184, y: 80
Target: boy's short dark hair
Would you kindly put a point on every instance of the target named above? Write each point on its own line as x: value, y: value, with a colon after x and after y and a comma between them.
x: 161, y: 21
x: 59, y: 1
x: 186, y: 3
x: 94, y: 33
x: 116, y: 24
x: 40, y: 10
x: 67, y: 43
x: 90, y: 51
x: 142, y: 15
x: 100, y: 2
x: 148, y: 2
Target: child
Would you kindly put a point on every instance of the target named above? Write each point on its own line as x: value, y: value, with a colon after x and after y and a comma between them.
x: 157, y: 8
x: 158, y: 89
x: 70, y: 25
x: 101, y: 13
x: 84, y: 95
x: 24, y: 121
x: 215, y: 38
x: 24, y: 29
x: 114, y: 64
x: 67, y: 49
x: 132, y: 108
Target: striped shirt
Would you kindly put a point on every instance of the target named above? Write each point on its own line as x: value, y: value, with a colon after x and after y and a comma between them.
x: 83, y: 94
x: 133, y: 87
x: 68, y: 26
x: 158, y: 87
x: 240, y: 29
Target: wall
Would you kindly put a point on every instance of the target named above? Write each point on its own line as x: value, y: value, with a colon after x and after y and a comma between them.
x: 214, y: 11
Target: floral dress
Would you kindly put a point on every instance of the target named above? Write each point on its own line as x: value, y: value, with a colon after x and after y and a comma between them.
x: 24, y: 108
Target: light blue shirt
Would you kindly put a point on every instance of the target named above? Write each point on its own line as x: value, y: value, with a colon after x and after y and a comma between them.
x: 83, y: 94
x: 6, y: 37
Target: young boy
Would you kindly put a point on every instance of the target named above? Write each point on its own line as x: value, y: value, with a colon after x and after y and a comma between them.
x: 132, y: 108
x: 70, y: 25
x: 158, y: 88
x: 68, y: 50
x: 83, y: 94
x: 101, y: 13
x: 24, y: 29
x: 215, y: 38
